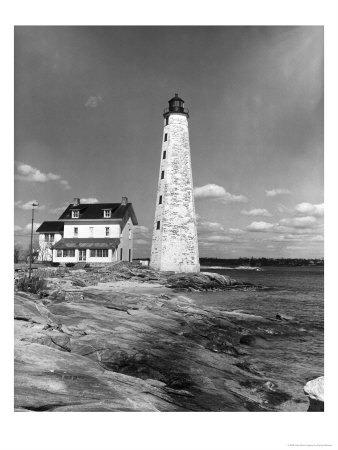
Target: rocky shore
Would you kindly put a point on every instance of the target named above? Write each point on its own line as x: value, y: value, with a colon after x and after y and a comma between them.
x: 126, y: 338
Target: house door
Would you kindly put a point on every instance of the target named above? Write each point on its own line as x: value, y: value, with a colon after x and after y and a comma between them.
x: 82, y: 255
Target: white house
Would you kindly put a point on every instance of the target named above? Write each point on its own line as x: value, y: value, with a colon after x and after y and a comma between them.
x: 92, y: 232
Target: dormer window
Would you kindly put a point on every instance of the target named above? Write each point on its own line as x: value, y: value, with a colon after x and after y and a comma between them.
x: 107, y: 213
x: 75, y: 214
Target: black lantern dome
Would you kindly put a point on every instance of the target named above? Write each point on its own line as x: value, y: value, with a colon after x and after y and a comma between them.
x: 176, y: 106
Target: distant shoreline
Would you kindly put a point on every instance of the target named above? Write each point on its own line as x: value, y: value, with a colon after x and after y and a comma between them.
x: 232, y: 268
x: 258, y: 262
x: 220, y: 263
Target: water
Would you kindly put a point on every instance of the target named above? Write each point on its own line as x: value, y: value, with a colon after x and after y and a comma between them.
x: 296, y: 356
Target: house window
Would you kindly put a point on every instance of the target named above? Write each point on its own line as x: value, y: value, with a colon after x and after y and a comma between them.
x: 129, y: 255
x: 91, y: 231
x: 121, y: 254
x: 99, y: 253
x: 49, y: 237
x: 59, y: 253
x: 76, y: 232
x: 107, y: 213
x: 107, y: 231
x: 162, y: 174
x: 158, y: 225
x: 75, y: 214
x: 129, y: 234
x: 69, y: 252
x: 165, y: 137
x: 167, y: 120
x: 164, y: 154
x: 160, y: 200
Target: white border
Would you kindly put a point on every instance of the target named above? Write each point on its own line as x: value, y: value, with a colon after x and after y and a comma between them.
x: 205, y: 431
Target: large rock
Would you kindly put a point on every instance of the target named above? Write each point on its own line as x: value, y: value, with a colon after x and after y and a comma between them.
x: 114, y: 351
x: 314, y: 390
x: 201, y: 281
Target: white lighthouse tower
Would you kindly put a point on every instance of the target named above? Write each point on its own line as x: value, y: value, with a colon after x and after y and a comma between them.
x: 175, y: 245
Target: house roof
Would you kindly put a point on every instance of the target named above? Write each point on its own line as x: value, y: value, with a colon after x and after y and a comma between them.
x: 90, y: 243
x: 90, y: 211
x: 50, y: 227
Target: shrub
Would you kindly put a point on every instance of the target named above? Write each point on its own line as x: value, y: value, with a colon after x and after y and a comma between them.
x: 35, y: 284
x: 70, y: 264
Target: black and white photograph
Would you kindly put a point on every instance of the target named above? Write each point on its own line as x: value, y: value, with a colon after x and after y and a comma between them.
x: 169, y: 228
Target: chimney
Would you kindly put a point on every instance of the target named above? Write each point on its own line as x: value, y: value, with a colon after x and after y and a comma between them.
x: 124, y: 201
x: 76, y: 201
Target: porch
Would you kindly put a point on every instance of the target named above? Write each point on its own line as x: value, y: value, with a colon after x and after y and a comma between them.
x: 94, y: 250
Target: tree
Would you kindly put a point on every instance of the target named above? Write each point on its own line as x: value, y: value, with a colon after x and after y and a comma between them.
x: 17, y: 251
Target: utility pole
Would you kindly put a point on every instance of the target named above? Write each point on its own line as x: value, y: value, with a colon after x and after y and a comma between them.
x: 30, y: 253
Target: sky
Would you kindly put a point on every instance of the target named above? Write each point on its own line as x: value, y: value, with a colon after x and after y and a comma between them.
x: 88, y: 123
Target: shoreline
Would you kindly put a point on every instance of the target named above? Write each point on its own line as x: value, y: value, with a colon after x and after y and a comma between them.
x: 134, y: 345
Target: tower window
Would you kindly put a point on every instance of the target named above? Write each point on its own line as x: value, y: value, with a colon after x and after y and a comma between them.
x: 158, y: 225
x: 167, y: 120
x: 164, y: 154
x: 160, y: 200
x: 162, y: 174
x: 165, y: 137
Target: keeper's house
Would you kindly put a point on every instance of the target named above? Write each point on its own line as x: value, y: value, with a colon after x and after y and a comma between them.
x: 92, y: 232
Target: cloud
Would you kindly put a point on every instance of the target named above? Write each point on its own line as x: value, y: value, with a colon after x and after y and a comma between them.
x: 89, y: 200
x: 236, y: 231
x: 206, y: 244
x: 215, y: 192
x: 17, y: 228
x: 209, y: 227
x: 217, y: 238
x: 65, y: 184
x: 299, y: 222
x: 256, y: 212
x: 299, y: 237
x: 274, y: 192
x: 260, y: 226
x: 28, y: 205
x: 25, y: 172
x: 93, y: 101
x: 294, y: 247
x: 311, y: 209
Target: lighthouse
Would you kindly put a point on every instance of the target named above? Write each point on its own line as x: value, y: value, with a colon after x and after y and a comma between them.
x: 174, y: 244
